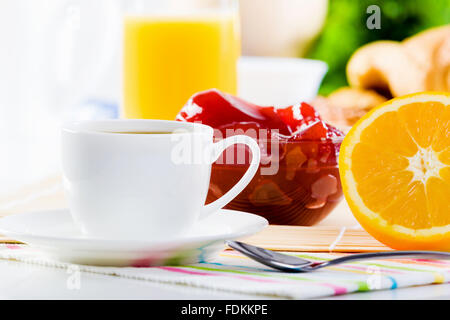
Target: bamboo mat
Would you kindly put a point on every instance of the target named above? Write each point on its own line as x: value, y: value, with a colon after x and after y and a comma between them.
x: 337, y: 233
x: 316, y: 239
x: 7, y: 240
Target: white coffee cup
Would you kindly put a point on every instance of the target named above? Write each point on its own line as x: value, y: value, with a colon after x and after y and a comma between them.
x: 124, y: 185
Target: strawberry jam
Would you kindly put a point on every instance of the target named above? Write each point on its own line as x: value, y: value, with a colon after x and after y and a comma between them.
x: 298, y: 180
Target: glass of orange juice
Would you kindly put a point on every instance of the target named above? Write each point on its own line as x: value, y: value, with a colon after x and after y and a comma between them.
x: 175, y: 48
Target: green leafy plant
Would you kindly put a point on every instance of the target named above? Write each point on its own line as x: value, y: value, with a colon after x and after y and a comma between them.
x: 345, y: 30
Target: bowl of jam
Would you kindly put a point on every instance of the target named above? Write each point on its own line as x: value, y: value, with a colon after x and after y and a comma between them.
x: 298, y: 180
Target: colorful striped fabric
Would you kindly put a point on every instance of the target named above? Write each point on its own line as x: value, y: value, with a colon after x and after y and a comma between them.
x: 235, y: 273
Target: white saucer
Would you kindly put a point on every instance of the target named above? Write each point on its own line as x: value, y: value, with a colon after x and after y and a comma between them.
x: 56, y: 235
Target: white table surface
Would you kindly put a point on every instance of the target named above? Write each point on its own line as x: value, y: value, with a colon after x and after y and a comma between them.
x: 27, y: 281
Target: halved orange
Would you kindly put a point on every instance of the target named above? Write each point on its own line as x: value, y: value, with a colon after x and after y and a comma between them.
x: 395, y: 171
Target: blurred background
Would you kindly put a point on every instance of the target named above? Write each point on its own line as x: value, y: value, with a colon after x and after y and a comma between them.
x: 61, y: 59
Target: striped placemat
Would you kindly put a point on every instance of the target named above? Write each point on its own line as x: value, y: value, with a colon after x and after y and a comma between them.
x: 232, y: 272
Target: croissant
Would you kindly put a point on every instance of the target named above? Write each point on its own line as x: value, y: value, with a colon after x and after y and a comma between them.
x: 347, y: 105
x: 419, y: 63
x: 386, y: 69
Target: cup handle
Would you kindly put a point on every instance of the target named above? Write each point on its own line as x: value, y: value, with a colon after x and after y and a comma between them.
x: 218, y: 149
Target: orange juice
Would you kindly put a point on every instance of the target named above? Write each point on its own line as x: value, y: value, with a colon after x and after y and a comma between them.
x: 168, y: 59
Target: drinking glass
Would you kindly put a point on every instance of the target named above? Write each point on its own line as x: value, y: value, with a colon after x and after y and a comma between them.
x: 175, y: 48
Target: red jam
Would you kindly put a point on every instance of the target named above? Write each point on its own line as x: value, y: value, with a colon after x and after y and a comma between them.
x: 298, y: 182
